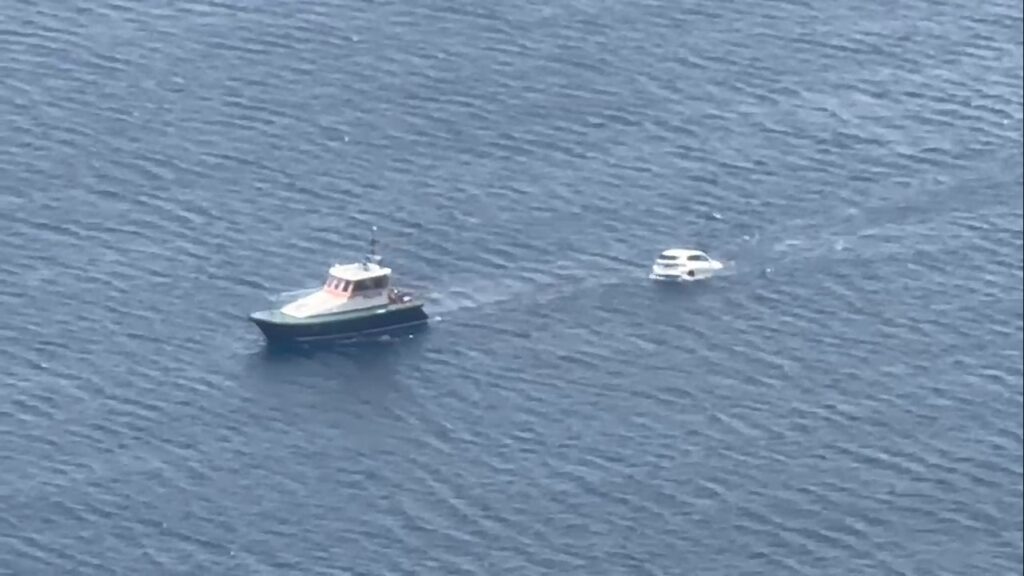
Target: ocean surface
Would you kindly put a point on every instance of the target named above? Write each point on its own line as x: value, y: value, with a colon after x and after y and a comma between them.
x: 846, y: 399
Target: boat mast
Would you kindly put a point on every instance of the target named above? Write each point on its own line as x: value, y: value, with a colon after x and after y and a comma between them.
x: 372, y: 257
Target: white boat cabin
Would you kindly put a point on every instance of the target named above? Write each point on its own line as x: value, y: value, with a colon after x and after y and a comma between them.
x: 357, y: 280
x: 348, y: 287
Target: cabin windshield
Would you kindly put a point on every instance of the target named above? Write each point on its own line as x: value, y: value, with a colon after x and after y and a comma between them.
x: 370, y: 284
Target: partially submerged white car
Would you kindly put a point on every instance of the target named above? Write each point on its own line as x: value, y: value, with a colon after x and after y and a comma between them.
x: 683, y: 265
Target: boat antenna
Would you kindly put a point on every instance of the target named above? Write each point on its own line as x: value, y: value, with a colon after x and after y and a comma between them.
x: 373, y: 257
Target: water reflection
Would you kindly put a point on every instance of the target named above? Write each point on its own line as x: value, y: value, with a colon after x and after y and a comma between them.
x: 367, y: 371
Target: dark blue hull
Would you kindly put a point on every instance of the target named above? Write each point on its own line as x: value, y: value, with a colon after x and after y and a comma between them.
x: 278, y: 328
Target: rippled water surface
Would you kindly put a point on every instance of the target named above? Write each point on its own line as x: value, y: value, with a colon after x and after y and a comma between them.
x: 847, y: 399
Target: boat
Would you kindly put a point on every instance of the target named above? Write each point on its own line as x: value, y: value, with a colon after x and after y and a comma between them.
x: 357, y: 299
x: 683, y: 265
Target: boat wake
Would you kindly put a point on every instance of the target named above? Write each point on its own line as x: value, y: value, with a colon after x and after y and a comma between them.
x: 558, y: 280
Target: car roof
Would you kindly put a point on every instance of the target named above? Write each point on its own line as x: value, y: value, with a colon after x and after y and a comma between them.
x: 681, y: 252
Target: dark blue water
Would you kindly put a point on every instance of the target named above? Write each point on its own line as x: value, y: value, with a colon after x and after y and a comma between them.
x: 846, y: 400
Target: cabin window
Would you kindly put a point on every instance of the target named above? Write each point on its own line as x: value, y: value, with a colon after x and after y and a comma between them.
x: 338, y: 284
x: 667, y: 257
x: 697, y: 258
x: 380, y: 282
